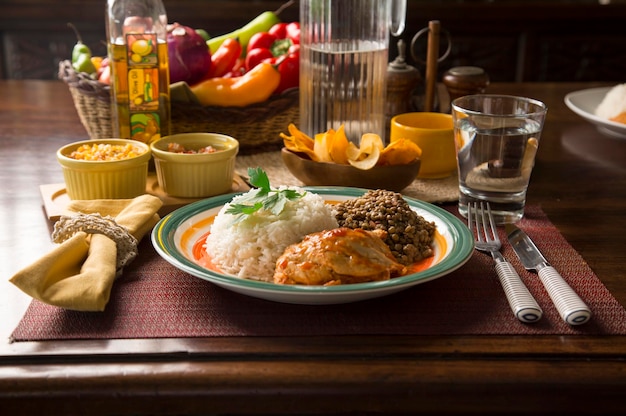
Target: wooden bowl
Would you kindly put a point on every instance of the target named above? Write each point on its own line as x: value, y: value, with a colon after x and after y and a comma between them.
x: 392, y: 177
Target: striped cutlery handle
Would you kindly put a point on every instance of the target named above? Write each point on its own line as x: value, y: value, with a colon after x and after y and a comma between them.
x: 570, y: 306
x: 522, y: 303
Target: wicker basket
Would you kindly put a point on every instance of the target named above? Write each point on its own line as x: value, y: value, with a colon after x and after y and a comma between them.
x: 257, y: 127
x: 92, y: 100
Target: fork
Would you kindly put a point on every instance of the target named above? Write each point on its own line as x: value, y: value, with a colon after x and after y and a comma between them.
x: 522, y: 303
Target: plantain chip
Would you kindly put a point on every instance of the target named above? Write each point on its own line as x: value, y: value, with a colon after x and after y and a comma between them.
x: 321, y: 146
x: 299, y: 142
x: 400, y: 152
x: 300, y: 137
x: 338, y: 145
x: 352, y: 152
x: 367, y: 154
x: 296, y: 148
x: 367, y: 162
x: 372, y: 139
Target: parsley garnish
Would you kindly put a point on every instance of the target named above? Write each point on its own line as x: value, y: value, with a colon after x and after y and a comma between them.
x: 262, y: 196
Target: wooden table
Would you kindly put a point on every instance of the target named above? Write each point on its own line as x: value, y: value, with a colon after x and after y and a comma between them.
x: 579, y: 180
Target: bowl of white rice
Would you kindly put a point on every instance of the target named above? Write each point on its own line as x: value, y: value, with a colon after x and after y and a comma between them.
x: 249, y: 248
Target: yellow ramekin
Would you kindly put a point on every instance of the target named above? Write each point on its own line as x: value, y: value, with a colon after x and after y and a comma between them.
x: 117, y: 179
x: 196, y: 175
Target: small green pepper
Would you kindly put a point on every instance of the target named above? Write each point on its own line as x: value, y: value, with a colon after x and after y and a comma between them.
x: 80, y: 49
x: 84, y: 64
x: 81, y: 55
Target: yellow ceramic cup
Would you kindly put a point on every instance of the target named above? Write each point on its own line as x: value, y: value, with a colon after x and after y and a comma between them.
x: 434, y: 134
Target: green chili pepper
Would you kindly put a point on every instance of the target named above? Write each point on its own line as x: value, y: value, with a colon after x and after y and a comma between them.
x: 81, y: 55
x: 261, y: 23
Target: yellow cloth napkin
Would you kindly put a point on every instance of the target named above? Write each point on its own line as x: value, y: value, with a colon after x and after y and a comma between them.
x: 79, y: 273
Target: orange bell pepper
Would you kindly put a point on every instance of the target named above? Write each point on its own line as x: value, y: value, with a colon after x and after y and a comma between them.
x: 253, y: 87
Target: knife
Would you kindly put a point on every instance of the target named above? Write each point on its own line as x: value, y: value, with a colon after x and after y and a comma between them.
x: 571, y: 308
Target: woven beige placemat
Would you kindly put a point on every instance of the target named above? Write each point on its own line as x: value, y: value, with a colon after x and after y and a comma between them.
x: 428, y: 190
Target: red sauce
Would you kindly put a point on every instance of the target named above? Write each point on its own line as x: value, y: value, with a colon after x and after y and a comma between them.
x: 421, y: 265
x: 202, y: 258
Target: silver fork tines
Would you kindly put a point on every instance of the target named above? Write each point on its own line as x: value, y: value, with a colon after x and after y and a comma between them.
x: 480, y: 221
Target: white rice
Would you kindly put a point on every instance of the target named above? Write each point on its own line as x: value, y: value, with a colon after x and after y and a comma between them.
x: 614, y: 103
x: 249, y: 249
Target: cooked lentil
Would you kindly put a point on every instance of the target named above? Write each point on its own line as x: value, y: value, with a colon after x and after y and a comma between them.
x: 105, y: 152
x: 409, y: 235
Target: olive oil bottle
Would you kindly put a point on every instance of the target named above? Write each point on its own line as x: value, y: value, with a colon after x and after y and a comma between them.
x: 140, y: 87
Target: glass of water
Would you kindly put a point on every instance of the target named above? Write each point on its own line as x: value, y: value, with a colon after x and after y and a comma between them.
x: 496, y: 140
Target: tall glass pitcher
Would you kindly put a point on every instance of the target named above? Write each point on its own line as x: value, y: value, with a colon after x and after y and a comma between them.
x: 343, y: 64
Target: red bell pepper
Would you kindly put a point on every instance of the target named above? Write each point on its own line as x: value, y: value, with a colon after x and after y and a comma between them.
x: 261, y: 40
x: 289, y: 31
x: 256, y: 56
x: 293, y: 32
x: 279, y: 46
x: 279, y: 30
x: 289, y: 68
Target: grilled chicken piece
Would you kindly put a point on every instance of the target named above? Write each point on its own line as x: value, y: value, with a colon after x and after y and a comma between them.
x: 338, y: 256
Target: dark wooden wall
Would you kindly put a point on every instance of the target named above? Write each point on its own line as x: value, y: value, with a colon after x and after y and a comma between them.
x: 514, y: 40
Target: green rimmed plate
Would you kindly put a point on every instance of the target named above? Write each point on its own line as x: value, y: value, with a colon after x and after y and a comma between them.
x: 176, y: 234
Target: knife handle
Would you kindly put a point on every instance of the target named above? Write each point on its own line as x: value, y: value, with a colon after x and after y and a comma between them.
x: 522, y: 303
x: 570, y: 306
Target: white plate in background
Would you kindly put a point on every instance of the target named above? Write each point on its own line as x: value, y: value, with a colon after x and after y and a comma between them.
x: 585, y: 102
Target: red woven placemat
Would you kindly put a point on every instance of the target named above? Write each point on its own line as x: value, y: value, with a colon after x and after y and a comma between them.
x: 155, y: 300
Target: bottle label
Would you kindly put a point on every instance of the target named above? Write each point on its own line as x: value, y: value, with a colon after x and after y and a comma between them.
x: 144, y: 126
x: 143, y: 91
x: 142, y: 50
x: 143, y: 85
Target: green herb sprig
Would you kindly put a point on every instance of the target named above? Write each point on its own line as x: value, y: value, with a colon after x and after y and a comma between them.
x: 262, y: 197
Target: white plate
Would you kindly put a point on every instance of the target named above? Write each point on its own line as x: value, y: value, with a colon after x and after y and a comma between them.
x: 176, y: 234
x: 585, y: 102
